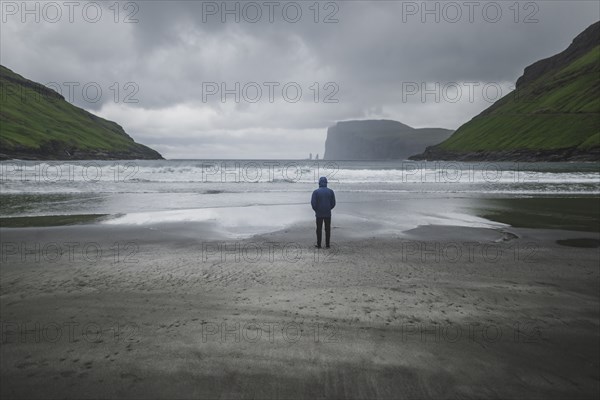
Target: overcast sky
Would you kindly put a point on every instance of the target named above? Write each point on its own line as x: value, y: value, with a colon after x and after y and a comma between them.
x: 161, y: 65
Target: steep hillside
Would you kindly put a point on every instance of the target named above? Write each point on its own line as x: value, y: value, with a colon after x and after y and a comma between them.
x: 553, y: 115
x: 37, y: 123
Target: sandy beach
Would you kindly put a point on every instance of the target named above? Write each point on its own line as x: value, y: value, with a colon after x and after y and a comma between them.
x: 95, y: 311
x: 167, y: 167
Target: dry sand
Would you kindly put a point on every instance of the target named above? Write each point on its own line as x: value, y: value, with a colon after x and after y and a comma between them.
x: 175, y: 315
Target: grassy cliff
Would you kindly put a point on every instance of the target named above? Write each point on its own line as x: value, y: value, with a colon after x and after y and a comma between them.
x: 37, y: 123
x: 554, y: 113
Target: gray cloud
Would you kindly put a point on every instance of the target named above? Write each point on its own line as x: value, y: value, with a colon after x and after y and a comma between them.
x: 162, y: 61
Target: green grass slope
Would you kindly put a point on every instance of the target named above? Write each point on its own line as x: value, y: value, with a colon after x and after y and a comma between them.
x: 37, y: 123
x: 553, y: 114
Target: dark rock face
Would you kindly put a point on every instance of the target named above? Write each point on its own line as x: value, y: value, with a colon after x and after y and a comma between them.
x: 21, y: 83
x: 379, y: 140
x: 583, y: 43
x: 535, y: 83
x: 55, y: 150
x: 522, y: 155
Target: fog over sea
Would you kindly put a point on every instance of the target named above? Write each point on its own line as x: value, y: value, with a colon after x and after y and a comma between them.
x: 245, y: 197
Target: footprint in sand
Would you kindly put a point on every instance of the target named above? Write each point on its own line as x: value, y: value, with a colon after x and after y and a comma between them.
x: 67, y: 374
x: 131, y: 376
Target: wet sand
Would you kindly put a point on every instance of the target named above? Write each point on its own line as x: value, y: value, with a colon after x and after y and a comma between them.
x: 172, y: 311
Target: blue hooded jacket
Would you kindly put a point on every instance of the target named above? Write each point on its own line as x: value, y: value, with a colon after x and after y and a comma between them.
x: 323, y: 200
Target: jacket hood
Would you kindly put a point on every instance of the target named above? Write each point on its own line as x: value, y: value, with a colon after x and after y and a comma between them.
x: 322, y: 182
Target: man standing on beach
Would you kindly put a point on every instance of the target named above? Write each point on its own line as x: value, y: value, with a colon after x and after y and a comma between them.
x: 323, y: 201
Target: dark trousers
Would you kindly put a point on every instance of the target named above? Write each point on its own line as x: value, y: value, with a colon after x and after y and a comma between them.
x: 320, y: 230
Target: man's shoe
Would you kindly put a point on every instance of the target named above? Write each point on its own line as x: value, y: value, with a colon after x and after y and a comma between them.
x: 327, y: 247
x: 317, y: 246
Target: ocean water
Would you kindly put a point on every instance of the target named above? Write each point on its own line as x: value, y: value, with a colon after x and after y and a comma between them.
x: 253, y: 196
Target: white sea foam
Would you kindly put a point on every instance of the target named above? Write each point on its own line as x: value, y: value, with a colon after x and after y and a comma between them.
x: 148, y: 192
